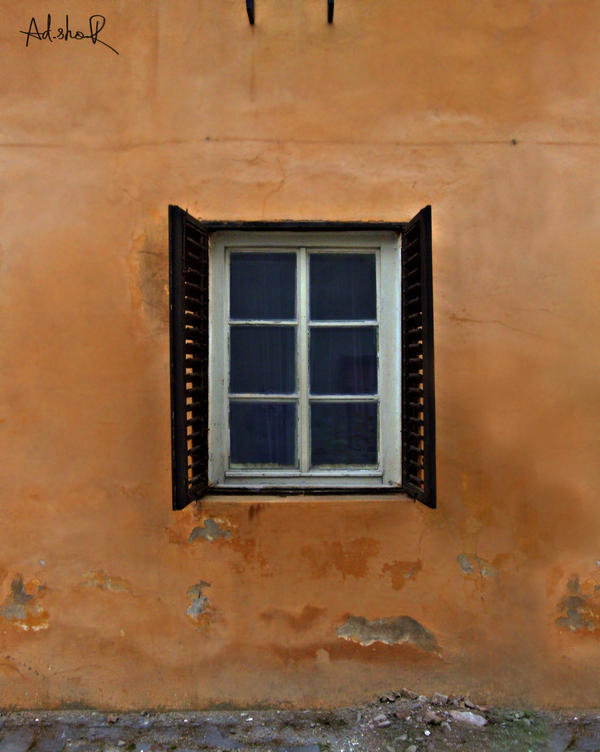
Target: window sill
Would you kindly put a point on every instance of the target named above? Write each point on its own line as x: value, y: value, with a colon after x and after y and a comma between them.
x: 270, y: 495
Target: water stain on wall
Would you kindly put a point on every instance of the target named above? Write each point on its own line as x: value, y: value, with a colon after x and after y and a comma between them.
x: 350, y: 558
x: 379, y: 653
x: 402, y: 571
x: 22, y: 606
x: 254, y: 510
x: 390, y: 630
x: 298, y: 622
x: 249, y: 550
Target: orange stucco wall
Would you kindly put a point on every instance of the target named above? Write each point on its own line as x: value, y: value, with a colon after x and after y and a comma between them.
x: 486, y: 110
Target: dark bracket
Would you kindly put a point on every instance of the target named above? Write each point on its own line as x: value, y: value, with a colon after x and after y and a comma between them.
x: 250, y: 10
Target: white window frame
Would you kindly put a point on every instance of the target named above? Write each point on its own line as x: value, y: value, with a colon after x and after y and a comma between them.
x: 386, y: 244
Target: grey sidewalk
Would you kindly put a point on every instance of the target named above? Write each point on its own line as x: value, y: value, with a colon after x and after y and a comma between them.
x: 397, y: 722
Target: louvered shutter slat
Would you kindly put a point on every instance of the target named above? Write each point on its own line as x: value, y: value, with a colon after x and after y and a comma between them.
x: 418, y: 395
x: 188, y: 299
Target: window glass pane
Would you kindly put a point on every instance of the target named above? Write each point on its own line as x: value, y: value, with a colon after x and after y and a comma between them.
x: 342, y: 286
x: 262, y: 433
x: 262, y: 286
x: 262, y: 359
x: 343, y: 433
x: 343, y: 360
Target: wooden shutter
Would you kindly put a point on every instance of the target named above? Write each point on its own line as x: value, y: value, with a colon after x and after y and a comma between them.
x: 188, y: 299
x: 418, y: 394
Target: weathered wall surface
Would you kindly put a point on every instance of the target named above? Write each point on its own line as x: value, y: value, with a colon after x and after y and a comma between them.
x: 486, y: 110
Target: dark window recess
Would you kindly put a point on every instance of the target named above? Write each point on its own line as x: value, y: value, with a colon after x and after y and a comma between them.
x: 263, y: 433
x: 343, y: 433
x: 342, y: 286
x: 188, y: 301
x: 418, y: 396
x: 188, y: 290
x: 262, y: 286
x: 343, y: 360
x: 262, y: 359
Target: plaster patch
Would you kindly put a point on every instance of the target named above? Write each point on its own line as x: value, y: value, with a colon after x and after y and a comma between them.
x: 390, y: 630
x: 148, y: 274
x: 210, y: 531
x: 472, y: 564
x: 22, y: 607
x: 99, y: 579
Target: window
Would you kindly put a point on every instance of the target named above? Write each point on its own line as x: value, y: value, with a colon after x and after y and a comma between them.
x: 304, y: 360
x: 301, y: 357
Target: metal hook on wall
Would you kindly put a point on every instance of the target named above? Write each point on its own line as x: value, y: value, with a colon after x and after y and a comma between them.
x: 250, y: 10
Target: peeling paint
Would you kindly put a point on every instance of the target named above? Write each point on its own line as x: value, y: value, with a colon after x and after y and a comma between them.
x: 390, y: 630
x: 472, y: 564
x: 580, y: 609
x: 198, y: 609
x: 99, y: 579
x: 401, y: 571
x: 21, y: 606
x: 210, y: 531
x: 465, y: 563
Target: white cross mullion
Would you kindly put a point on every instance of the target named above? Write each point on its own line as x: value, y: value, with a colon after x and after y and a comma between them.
x: 303, y: 405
